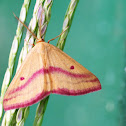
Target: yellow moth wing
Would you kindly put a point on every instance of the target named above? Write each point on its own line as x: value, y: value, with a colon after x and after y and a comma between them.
x: 28, y: 86
x: 46, y: 70
x: 68, y: 76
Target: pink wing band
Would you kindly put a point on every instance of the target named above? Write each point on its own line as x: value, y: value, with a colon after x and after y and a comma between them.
x: 46, y: 71
x: 45, y: 94
x: 27, y: 103
x: 71, y: 92
x: 42, y: 95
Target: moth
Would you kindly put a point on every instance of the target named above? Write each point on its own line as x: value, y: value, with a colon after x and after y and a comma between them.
x: 45, y: 70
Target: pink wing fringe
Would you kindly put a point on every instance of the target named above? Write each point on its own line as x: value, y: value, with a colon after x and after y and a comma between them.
x: 45, y: 94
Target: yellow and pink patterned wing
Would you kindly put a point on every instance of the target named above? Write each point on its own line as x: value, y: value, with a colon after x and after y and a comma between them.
x: 47, y: 70
x: 30, y: 82
x: 68, y: 76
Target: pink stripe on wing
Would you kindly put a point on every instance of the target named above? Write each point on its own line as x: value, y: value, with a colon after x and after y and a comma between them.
x: 42, y: 95
x: 94, y: 80
x: 26, y: 103
x: 65, y: 91
x: 60, y: 70
x: 45, y: 71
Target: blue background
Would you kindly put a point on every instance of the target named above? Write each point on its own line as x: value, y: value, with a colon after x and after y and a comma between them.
x: 96, y: 40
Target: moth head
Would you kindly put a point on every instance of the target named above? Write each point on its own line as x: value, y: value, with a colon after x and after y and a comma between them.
x: 40, y: 40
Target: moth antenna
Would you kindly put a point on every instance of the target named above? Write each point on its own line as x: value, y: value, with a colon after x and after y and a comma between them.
x: 58, y: 35
x: 25, y: 26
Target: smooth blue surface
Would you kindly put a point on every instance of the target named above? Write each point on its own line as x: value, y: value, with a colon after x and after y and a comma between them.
x: 96, y: 40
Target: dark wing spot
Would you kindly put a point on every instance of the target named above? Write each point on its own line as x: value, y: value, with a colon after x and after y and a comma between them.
x: 72, y: 67
x: 22, y: 78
